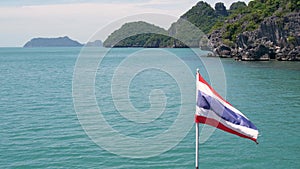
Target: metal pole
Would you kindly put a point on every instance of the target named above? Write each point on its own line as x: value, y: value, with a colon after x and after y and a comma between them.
x: 197, y: 129
x: 197, y: 145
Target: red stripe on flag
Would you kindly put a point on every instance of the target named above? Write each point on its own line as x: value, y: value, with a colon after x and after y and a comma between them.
x: 213, y: 90
x: 217, y: 124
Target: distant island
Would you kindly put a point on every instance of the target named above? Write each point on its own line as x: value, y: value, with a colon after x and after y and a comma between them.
x: 59, y: 42
x: 259, y: 31
x: 96, y: 43
x: 142, y: 34
x: 52, y: 42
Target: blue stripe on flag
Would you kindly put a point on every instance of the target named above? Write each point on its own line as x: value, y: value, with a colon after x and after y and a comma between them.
x: 207, y: 102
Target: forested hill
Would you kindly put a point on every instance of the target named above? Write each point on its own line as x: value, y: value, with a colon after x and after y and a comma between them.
x: 141, y: 34
x: 134, y: 34
x: 203, y: 16
x: 261, y: 30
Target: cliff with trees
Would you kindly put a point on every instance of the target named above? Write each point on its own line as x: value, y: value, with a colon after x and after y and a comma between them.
x: 261, y: 30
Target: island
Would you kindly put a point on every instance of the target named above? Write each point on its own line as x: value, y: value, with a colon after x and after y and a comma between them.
x: 96, y: 43
x: 137, y: 34
x: 259, y: 31
x: 52, y: 42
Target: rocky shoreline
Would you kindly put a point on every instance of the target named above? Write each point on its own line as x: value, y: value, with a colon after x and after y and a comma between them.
x: 260, y: 31
x: 277, y: 38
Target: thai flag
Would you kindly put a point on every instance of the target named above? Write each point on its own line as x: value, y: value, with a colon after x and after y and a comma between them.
x: 213, y: 110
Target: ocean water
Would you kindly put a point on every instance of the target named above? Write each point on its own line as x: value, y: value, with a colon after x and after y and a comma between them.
x: 39, y: 127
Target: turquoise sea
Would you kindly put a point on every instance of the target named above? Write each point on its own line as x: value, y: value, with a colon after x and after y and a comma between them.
x: 39, y: 127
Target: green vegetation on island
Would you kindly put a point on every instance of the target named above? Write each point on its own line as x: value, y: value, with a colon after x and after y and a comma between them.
x: 203, y: 16
x: 248, y: 18
x: 52, y: 42
x: 134, y: 34
x: 261, y: 30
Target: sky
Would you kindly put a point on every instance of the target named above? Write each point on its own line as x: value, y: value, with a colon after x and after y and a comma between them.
x: 22, y: 20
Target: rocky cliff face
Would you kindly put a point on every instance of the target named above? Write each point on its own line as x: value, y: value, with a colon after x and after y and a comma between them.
x: 276, y: 38
x: 261, y: 30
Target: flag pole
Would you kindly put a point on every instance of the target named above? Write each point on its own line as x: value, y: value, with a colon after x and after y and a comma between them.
x: 197, y: 145
x: 197, y: 131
